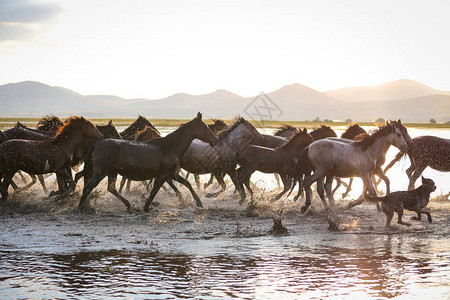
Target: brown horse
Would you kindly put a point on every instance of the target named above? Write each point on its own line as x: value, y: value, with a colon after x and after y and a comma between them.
x: 109, y: 131
x: 280, y: 160
x: 158, y: 158
x: 426, y: 151
x: 140, y: 123
x: 54, y: 155
x: 49, y: 124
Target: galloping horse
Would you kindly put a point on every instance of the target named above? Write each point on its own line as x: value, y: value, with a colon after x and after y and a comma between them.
x: 49, y: 124
x: 426, y: 151
x: 328, y: 157
x: 53, y: 155
x: 138, y: 125
x: 279, y: 160
x: 221, y: 159
x: 158, y: 158
x: 109, y: 131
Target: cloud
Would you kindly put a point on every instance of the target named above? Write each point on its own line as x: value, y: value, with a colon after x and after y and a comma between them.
x: 20, y: 19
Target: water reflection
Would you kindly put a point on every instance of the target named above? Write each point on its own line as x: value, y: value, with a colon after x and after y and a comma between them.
x: 320, y: 272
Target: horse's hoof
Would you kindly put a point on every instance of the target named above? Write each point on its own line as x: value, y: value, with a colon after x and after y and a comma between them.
x: 304, y: 209
x: 241, y: 201
x: 199, y: 204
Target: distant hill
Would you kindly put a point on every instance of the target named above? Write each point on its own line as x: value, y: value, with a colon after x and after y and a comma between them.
x: 394, y: 90
x: 406, y: 99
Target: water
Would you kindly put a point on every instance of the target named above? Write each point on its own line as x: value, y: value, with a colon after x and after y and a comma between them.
x: 49, y: 250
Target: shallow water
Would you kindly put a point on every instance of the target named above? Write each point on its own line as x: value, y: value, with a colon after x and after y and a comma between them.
x: 49, y: 250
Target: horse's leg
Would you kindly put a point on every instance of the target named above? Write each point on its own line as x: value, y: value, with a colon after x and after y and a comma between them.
x: 234, y: 178
x: 175, y: 189
x: 128, y: 185
x: 68, y: 182
x: 307, y: 182
x: 197, y: 181
x: 186, y: 183
x: 328, y: 183
x: 210, y: 181
x: 42, y: 182
x: 7, y: 179
x: 338, y: 184
x: 300, y: 188
x: 33, y: 181
x: 223, y: 186
x: 277, y: 179
x: 349, y: 188
x: 23, y: 177
x: 379, y: 172
x: 112, y: 178
x: 242, y: 177
x: 415, y: 176
x: 122, y: 183
x: 88, y: 187
x: 400, y: 221
x: 156, y: 186
x: 14, y: 185
x: 321, y: 191
x: 78, y: 176
x: 287, y: 183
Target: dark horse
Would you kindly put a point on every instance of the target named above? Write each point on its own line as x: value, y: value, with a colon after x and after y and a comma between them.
x: 158, y: 158
x: 426, y: 151
x: 138, y: 125
x: 53, y: 155
x: 280, y: 160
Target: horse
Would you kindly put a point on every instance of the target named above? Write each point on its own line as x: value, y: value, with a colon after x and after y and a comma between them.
x: 279, y: 160
x: 327, y: 158
x: 139, y: 124
x: 53, y: 155
x: 426, y: 151
x: 23, y: 132
x: 221, y: 159
x: 158, y: 158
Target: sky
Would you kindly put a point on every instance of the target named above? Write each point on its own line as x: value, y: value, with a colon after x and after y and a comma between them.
x: 153, y: 49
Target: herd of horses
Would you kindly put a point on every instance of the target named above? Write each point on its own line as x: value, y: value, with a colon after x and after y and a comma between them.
x: 140, y: 153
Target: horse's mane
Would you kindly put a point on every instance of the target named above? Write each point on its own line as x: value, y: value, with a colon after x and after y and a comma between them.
x: 224, y: 133
x: 283, y: 128
x: 48, y: 123
x: 365, y: 140
x: 69, y: 124
x: 20, y: 125
x: 353, y: 131
x: 293, y: 139
x: 218, y: 122
x: 321, y: 128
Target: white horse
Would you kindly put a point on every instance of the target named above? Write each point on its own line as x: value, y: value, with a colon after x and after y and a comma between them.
x: 221, y: 159
x: 332, y: 157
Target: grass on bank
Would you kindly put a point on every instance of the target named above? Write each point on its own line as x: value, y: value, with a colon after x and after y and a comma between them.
x: 31, y: 122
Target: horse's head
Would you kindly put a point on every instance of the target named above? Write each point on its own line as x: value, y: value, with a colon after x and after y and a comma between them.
x: 202, y: 132
x: 396, y: 138
x: 89, y: 130
x: 302, y: 138
x: 245, y: 132
x: 109, y: 131
x: 353, y: 131
x: 398, y: 124
x: 218, y: 125
x: 323, y: 132
x: 146, y: 134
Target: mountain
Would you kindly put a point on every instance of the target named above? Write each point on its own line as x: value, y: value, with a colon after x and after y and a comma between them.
x: 394, y: 90
x: 405, y: 99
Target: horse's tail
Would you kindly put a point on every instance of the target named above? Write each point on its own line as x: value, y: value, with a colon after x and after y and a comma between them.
x: 375, y: 199
x: 87, y: 171
x: 302, y: 167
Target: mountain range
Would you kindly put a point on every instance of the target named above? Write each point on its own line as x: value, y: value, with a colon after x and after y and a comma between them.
x: 406, y: 99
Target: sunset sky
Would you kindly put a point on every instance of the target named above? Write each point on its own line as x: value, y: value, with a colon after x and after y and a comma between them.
x: 153, y: 49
